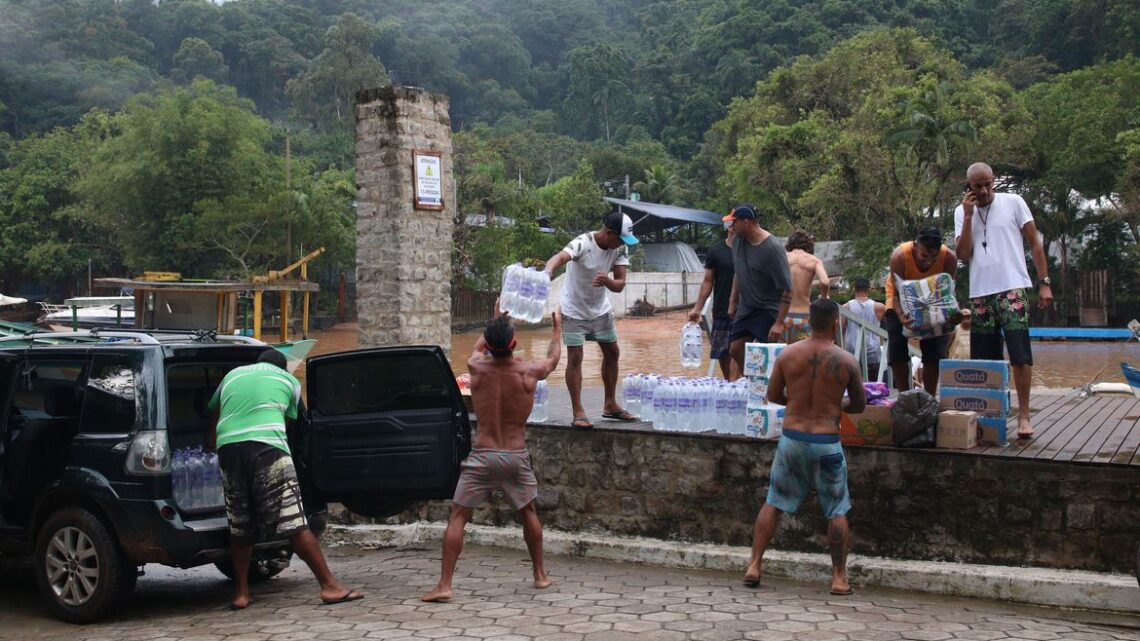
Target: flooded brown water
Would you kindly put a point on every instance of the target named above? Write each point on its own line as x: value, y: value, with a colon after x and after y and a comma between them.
x: 650, y: 345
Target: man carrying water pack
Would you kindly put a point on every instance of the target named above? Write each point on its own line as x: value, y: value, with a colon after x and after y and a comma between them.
x: 810, y: 378
x: 502, y: 391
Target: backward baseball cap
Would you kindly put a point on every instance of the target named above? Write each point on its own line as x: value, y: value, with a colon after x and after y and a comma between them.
x: 743, y: 211
x: 622, y: 225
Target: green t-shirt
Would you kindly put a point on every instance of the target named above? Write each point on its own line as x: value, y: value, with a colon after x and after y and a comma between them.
x: 253, y: 403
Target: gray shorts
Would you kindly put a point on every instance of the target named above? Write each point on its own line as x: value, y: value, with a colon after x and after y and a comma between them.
x: 575, y: 332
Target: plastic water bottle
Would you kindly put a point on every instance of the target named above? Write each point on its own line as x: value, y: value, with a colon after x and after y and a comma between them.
x: 647, y: 388
x: 510, y: 291
x: 179, y: 478
x: 196, y: 471
x: 739, y: 408
x: 216, y: 493
x: 541, y: 293
x: 690, y: 345
x: 521, y: 308
x: 629, y: 393
x: 684, y: 406
x: 720, y: 408
x: 539, y: 413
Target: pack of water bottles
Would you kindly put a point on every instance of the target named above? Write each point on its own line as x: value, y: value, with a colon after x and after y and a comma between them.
x: 197, y: 480
x: 524, y: 293
x: 764, y: 419
x: 692, y: 345
x: 682, y: 404
x: 541, y: 409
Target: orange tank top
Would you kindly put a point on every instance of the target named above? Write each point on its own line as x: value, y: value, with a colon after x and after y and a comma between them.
x: 911, y: 270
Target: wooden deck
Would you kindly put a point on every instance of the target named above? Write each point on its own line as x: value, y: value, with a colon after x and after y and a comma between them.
x: 1099, y: 430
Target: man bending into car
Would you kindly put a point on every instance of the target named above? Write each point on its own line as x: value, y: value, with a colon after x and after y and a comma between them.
x: 263, y: 497
x: 502, y: 391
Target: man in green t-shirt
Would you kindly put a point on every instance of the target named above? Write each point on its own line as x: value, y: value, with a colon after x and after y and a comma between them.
x: 263, y: 497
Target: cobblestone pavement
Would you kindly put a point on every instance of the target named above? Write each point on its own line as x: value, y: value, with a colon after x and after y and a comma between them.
x: 591, y: 600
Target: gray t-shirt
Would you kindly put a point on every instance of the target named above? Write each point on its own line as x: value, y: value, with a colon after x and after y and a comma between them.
x: 762, y: 275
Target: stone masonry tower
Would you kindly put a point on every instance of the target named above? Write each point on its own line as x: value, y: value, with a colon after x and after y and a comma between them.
x: 403, y: 231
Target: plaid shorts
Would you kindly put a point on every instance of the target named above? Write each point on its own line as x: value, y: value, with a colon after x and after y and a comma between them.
x: 722, y: 329
x: 485, y: 470
x: 263, y: 496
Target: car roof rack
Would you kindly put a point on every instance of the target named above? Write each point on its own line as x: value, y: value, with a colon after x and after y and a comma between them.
x: 144, y: 336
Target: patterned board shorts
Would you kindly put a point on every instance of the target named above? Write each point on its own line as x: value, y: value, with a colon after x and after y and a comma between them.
x: 485, y: 470
x: 796, y: 327
x: 999, y: 322
x: 722, y: 330
x: 804, y: 461
x: 263, y: 496
x: 575, y: 331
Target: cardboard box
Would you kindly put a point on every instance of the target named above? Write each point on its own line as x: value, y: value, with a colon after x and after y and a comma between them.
x: 973, y: 374
x: 765, y: 421
x: 993, y: 430
x: 986, y: 402
x: 872, y: 426
x: 957, y: 430
x: 757, y: 390
x: 759, y: 358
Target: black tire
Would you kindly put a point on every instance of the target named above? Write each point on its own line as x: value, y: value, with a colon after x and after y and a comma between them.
x: 1138, y: 563
x: 80, y: 569
x: 260, y: 570
x: 377, y: 508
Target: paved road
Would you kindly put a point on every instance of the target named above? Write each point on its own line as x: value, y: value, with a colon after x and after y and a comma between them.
x: 591, y: 600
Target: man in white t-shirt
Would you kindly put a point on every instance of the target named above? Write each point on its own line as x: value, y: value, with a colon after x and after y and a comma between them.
x: 991, y: 228
x: 586, y: 311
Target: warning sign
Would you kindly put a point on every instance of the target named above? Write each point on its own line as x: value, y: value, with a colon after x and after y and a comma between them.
x: 428, y: 179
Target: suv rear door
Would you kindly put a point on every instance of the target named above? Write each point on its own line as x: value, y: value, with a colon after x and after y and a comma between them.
x: 387, y: 425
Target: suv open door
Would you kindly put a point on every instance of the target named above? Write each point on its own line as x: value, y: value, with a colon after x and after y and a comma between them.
x: 387, y: 426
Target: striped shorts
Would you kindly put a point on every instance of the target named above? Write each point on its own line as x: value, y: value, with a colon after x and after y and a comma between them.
x: 575, y: 332
x: 263, y: 496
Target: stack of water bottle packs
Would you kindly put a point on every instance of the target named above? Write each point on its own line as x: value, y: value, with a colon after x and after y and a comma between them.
x: 682, y: 404
x: 524, y: 293
x: 763, y: 420
x: 197, y: 480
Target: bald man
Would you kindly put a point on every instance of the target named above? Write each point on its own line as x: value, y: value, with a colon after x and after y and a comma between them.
x: 991, y: 230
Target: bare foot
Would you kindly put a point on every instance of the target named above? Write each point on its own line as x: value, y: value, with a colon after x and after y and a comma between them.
x: 541, y: 582
x: 438, y: 595
x: 1024, y: 428
x: 241, y: 602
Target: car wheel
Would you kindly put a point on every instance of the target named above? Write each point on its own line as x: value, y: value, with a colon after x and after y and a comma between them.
x: 377, y: 508
x: 260, y: 570
x: 80, y: 569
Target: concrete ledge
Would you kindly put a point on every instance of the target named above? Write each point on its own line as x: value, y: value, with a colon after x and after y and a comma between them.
x: 1034, y: 586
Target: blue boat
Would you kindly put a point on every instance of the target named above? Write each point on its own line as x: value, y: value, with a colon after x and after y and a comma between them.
x: 1132, y: 374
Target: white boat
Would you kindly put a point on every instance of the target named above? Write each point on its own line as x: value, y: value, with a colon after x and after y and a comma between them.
x: 90, y: 311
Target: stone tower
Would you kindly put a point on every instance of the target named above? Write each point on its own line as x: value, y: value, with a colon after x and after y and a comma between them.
x: 403, y: 241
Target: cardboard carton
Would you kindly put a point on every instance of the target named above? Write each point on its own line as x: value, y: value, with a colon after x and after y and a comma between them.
x: 973, y: 374
x: 986, y: 402
x: 757, y: 390
x: 957, y: 430
x: 992, y: 430
x: 872, y: 426
x: 759, y: 358
x: 765, y: 421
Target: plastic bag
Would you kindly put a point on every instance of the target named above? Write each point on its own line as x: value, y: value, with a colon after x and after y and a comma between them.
x: 914, y: 419
x: 930, y: 303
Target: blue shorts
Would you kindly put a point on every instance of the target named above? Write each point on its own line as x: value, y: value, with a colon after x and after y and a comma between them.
x: 804, y: 461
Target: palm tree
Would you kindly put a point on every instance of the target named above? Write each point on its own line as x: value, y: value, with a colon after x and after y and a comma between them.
x: 659, y: 186
x: 929, y: 142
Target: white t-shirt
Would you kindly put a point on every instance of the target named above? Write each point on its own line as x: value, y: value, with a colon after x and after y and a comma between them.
x: 998, y: 265
x: 580, y: 299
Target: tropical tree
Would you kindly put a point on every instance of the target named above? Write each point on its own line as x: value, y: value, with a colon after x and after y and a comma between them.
x: 659, y: 186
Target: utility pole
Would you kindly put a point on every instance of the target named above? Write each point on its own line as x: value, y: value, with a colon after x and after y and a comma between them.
x: 289, y: 201
x: 627, y: 191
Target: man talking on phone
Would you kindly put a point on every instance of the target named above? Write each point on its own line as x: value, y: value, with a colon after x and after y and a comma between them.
x: 991, y: 228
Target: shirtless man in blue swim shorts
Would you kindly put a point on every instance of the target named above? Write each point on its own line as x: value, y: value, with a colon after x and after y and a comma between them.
x: 810, y: 378
x: 502, y: 391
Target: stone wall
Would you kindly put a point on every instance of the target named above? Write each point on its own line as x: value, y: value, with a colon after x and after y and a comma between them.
x: 403, y: 255
x: 911, y: 504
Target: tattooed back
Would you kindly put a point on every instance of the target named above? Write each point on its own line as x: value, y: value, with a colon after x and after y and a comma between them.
x: 810, y: 378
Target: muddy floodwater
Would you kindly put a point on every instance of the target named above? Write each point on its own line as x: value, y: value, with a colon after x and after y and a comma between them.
x: 650, y: 345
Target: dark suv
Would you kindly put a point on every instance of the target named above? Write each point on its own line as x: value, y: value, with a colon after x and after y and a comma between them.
x: 88, y: 429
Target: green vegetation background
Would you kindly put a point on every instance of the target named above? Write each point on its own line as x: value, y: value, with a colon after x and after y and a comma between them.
x: 216, y: 139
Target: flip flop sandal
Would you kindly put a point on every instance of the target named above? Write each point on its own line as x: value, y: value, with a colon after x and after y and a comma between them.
x: 848, y: 592
x: 621, y: 415
x: 752, y: 582
x: 351, y: 595
x: 582, y: 423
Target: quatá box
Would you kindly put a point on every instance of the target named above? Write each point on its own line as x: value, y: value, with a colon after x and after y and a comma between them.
x: 986, y: 402
x: 872, y: 426
x: 765, y: 421
x: 992, y: 430
x: 759, y: 358
x: 973, y: 374
x: 957, y: 430
x: 757, y: 390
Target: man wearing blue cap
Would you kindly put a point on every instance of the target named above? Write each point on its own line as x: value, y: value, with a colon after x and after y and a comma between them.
x: 762, y: 288
x: 586, y: 311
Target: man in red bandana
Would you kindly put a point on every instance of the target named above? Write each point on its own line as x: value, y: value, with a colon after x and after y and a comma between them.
x: 502, y: 391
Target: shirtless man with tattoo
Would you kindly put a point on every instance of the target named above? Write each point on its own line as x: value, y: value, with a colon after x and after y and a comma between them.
x: 810, y: 378
x: 502, y: 391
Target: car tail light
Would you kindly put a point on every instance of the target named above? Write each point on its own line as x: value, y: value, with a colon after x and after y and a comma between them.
x: 149, y: 453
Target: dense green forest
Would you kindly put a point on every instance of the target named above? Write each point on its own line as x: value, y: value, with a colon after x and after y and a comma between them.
x: 216, y: 138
